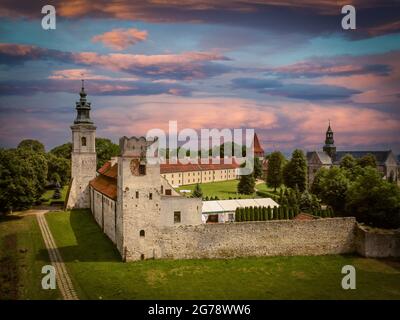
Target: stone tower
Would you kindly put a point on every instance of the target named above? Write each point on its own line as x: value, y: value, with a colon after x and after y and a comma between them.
x: 139, y: 199
x: 329, y: 146
x: 83, y: 157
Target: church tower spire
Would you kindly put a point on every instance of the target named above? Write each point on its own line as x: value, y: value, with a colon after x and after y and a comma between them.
x: 329, y: 146
x: 83, y: 107
x: 83, y: 156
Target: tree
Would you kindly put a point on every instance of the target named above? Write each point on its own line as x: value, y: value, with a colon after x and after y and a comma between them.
x: 246, y: 184
x: 275, y: 169
x: 197, y: 192
x: 63, y: 151
x: 23, y: 175
x: 368, y: 160
x: 237, y: 214
x: 331, y: 185
x: 373, y: 200
x: 33, y: 145
x: 295, y: 171
x: 105, y: 149
x: 257, y: 168
x: 348, y: 162
x: 59, y: 166
x: 308, y: 202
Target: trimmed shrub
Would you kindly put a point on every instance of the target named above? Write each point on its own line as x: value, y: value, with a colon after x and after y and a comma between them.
x: 276, y: 213
x: 264, y: 214
x: 237, y: 215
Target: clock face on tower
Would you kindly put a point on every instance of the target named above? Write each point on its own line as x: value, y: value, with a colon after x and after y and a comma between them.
x: 135, y: 167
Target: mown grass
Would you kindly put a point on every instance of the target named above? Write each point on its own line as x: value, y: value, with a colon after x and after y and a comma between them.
x: 22, y: 256
x: 47, y: 196
x: 98, y: 273
x: 228, y: 189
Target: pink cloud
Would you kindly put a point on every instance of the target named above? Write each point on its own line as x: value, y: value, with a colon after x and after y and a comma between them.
x: 186, y: 65
x: 193, y: 113
x: 120, y: 39
x: 352, y: 126
x: 384, y: 28
x: 78, y: 74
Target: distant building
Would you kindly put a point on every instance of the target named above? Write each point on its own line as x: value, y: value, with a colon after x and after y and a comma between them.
x: 328, y: 157
x: 182, y: 174
x: 258, y: 150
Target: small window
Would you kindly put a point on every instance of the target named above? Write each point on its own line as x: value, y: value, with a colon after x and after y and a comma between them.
x: 141, y: 233
x: 142, y: 169
x: 137, y: 194
x: 83, y: 141
x: 150, y: 196
x: 162, y: 189
x: 177, y: 217
x: 168, y: 192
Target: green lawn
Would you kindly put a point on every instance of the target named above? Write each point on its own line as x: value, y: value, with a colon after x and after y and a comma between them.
x: 22, y: 256
x: 47, y: 197
x: 228, y: 189
x: 97, y: 272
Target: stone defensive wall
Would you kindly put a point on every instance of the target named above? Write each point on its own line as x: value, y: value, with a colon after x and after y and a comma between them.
x: 378, y: 243
x: 259, y: 238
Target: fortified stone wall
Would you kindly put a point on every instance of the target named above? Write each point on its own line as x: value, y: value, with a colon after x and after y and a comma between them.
x: 104, y: 212
x: 260, y: 238
x: 189, y: 210
x: 380, y: 244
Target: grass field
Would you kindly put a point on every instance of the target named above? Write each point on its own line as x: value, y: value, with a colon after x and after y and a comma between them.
x: 228, y: 189
x: 47, y: 197
x: 22, y: 256
x: 97, y: 272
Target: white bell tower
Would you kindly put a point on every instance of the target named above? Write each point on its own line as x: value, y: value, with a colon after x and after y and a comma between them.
x: 83, y: 157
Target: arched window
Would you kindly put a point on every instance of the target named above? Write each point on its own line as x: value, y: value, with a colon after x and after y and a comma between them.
x: 141, y: 233
x: 83, y: 141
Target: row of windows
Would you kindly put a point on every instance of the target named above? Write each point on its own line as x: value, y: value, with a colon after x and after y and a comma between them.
x: 150, y: 195
x: 198, y: 173
x: 198, y: 180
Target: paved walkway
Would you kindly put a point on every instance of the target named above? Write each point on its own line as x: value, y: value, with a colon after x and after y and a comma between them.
x: 63, y: 280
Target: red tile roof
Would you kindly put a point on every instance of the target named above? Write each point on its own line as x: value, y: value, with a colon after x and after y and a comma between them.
x: 171, y: 168
x: 108, y: 170
x: 105, y: 185
x: 106, y: 181
x: 258, y: 150
x: 105, y: 167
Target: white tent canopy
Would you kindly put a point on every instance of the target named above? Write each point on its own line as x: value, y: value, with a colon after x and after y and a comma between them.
x: 221, y: 206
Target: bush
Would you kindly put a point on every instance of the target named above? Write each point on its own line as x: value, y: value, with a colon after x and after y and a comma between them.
x: 269, y: 213
x: 264, y: 214
x: 276, y: 213
x: 291, y: 213
x: 256, y: 214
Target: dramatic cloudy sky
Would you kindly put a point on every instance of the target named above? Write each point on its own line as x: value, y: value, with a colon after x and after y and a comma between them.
x: 282, y: 67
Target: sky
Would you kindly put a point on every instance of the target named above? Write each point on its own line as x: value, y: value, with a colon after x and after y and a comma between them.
x: 284, y: 68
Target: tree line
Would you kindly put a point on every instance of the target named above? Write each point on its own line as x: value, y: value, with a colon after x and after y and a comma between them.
x: 353, y: 188
x: 27, y: 170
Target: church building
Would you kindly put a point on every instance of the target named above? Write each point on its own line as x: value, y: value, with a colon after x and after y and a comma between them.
x: 128, y: 197
x: 329, y: 156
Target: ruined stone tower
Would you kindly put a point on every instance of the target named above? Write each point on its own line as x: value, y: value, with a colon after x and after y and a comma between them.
x: 83, y: 157
x: 139, y: 199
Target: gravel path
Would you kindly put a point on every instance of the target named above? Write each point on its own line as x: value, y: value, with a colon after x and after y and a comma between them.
x: 63, y: 280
